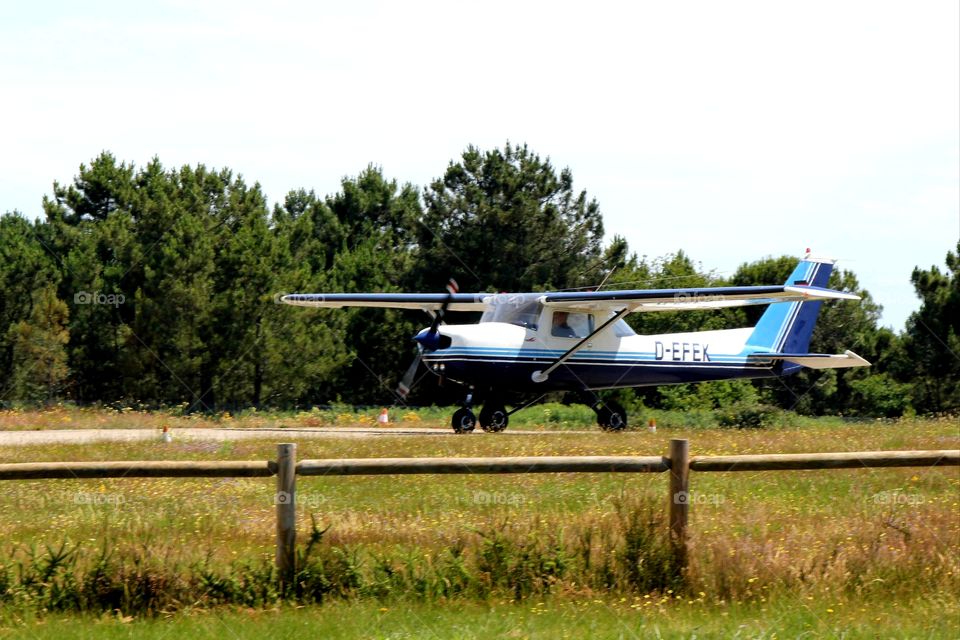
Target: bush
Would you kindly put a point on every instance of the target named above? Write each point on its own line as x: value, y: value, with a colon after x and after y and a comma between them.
x: 750, y: 416
x: 880, y: 396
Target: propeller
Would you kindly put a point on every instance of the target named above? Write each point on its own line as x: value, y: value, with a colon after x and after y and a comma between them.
x: 427, y: 339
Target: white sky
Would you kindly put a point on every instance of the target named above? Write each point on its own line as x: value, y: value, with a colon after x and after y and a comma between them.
x: 732, y: 130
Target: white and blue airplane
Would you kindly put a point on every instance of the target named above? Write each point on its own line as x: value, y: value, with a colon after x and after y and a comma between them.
x: 579, y: 341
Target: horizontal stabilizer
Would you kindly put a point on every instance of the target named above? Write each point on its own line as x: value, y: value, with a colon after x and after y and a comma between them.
x: 815, y: 360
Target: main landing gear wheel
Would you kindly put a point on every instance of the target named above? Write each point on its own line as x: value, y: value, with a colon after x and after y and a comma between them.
x: 611, y: 417
x: 494, y: 419
x: 464, y: 421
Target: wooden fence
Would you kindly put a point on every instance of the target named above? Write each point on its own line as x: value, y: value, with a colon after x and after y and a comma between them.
x: 286, y: 468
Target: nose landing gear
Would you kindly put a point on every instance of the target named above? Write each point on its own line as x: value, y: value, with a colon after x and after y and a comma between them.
x: 464, y: 421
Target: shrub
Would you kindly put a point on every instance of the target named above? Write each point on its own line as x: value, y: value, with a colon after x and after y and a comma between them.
x: 749, y: 416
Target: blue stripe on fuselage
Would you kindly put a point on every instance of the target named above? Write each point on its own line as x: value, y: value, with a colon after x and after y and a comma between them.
x: 638, y: 357
x: 507, y: 367
x: 489, y: 370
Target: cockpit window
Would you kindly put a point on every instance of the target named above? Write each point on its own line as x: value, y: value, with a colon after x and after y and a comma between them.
x: 571, y: 325
x: 522, y: 310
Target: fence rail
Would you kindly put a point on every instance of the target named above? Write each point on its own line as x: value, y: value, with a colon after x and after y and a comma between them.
x: 285, y: 467
x: 540, y: 464
x: 800, y: 461
x: 137, y: 469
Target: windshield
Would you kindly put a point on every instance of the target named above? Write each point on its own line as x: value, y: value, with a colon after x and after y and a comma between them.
x: 621, y: 329
x: 520, y: 309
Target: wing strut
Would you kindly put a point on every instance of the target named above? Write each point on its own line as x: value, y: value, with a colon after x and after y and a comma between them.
x: 541, y: 376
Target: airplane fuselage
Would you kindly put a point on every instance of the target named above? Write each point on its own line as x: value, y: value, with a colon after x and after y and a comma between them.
x: 495, y: 354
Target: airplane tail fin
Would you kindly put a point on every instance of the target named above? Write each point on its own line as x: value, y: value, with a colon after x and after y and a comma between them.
x: 786, y: 327
x: 782, y: 336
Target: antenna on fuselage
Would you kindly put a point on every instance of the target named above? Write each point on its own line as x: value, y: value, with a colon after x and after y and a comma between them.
x: 605, y: 278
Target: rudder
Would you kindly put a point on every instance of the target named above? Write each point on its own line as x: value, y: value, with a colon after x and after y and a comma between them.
x: 786, y: 327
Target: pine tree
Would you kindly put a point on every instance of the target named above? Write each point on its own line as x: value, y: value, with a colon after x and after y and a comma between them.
x: 506, y: 220
x: 39, y: 362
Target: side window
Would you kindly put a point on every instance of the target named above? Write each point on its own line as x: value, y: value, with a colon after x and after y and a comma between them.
x: 571, y: 325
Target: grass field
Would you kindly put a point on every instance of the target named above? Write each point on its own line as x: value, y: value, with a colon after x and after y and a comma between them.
x: 870, y: 551
x: 545, y: 619
x: 547, y: 416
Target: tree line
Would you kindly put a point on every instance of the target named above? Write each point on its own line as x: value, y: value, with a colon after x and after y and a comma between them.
x: 156, y: 286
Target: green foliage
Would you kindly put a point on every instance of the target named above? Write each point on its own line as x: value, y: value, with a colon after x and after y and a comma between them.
x: 39, y: 358
x: 25, y: 268
x: 932, y: 338
x: 554, y: 413
x: 673, y: 271
x: 648, y: 559
x: 359, y: 239
x: 189, y: 263
x: 719, y: 394
x: 749, y: 416
x: 881, y: 395
x: 506, y: 220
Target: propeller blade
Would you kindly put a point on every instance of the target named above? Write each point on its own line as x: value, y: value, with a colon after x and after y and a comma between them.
x: 406, y: 382
x: 452, y: 288
x: 426, y: 339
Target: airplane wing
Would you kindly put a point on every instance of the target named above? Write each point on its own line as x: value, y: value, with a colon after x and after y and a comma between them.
x: 423, y: 301
x: 642, y: 300
x: 645, y: 300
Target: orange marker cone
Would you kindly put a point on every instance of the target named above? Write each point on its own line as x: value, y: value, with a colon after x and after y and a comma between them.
x: 166, y: 436
x: 652, y: 425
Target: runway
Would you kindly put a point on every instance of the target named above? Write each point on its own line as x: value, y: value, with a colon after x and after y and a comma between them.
x: 84, y: 436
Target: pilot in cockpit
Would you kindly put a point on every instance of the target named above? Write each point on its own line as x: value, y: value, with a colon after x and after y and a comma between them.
x: 560, y: 327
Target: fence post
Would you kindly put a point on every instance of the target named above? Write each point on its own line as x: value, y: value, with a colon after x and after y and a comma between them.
x: 679, y: 495
x: 285, y: 499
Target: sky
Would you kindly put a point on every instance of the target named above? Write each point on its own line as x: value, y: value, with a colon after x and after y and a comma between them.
x: 730, y: 130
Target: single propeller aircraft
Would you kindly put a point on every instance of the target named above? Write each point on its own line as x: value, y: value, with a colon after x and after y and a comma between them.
x: 579, y: 341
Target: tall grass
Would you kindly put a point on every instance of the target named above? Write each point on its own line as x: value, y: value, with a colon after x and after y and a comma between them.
x: 630, y: 554
x: 624, y: 553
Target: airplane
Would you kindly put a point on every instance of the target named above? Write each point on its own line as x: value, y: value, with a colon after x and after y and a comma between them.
x: 578, y: 341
